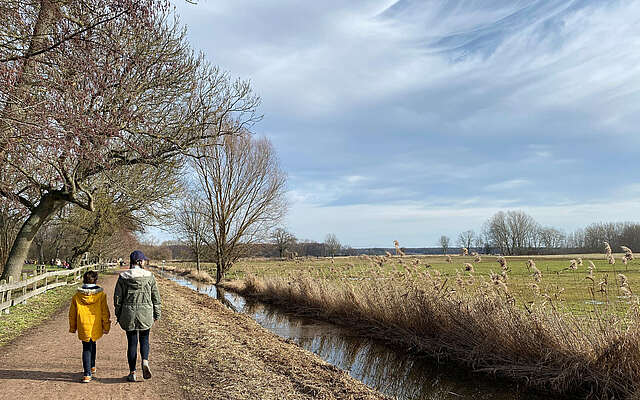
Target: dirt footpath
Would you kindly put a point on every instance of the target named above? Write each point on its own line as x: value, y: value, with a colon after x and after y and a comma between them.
x: 199, y: 350
x: 225, y: 355
x: 46, y: 363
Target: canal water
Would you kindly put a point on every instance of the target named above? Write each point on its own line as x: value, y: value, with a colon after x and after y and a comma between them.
x: 391, y: 371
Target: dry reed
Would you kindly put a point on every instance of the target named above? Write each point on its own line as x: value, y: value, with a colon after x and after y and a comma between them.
x: 477, y: 324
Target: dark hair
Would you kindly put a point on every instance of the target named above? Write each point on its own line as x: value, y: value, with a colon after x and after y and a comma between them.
x: 90, y: 277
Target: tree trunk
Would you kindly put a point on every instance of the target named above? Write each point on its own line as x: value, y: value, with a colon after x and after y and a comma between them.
x: 41, y: 253
x: 219, y: 274
x: 20, y: 250
x: 220, y: 264
x: 198, y: 261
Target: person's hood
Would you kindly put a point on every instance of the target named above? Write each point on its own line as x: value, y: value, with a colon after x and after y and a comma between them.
x: 136, y: 278
x: 88, y: 294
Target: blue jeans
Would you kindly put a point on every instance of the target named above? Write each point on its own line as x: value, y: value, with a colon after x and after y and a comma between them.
x: 88, y: 356
x: 132, y: 347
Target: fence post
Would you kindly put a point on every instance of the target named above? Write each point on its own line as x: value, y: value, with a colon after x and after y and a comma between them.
x: 46, y: 279
x: 24, y: 288
x: 9, y: 294
x: 3, y: 295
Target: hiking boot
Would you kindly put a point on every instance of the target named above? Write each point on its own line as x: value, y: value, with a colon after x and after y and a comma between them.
x: 86, y: 379
x: 146, y: 372
x: 93, y: 371
x: 131, y: 377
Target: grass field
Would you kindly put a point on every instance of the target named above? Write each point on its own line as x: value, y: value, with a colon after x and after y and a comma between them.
x: 571, y: 289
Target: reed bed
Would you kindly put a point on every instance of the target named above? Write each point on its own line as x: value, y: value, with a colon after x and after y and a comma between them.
x: 476, y: 321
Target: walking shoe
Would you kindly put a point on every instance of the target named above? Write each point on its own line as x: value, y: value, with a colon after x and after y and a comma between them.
x: 131, y: 377
x: 93, y: 371
x: 86, y: 379
x: 146, y: 372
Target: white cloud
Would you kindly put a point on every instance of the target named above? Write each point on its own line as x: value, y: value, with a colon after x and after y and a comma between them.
x: 507, y: 185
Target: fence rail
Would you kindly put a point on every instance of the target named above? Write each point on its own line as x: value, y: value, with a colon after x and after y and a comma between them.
x: 14, y: 293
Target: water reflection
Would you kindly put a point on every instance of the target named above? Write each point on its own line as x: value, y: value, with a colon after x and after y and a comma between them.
x: 396, y: 373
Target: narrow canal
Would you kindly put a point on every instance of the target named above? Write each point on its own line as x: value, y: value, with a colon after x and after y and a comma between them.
x: 391, y: 371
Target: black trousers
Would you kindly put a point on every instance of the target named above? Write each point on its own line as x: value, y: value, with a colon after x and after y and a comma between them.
x: 132, y: 347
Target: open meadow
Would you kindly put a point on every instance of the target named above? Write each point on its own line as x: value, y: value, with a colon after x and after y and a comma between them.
x: 575, y: 290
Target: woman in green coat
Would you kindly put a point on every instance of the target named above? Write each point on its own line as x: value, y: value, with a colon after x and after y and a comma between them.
x: 137, y: 306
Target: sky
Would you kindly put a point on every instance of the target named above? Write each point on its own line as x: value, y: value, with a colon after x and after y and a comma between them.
x: 412, y: 119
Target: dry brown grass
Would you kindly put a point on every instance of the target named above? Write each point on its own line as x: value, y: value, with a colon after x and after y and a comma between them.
x: 477, y: 322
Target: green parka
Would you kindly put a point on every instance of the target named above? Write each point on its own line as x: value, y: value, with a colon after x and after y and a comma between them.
x: 136, y: 300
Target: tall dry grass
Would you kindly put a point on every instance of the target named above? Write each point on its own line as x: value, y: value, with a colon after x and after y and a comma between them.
x: 477, y: 322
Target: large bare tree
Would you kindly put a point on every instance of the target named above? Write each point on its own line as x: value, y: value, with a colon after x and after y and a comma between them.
x: 283, y: 239
x: 444, y: 243
x: 332, y: 245
x: 191, y: 223
x: 244, y: 190
x: 116, y: 95
x: 466, y: 239
x: 512, y: 231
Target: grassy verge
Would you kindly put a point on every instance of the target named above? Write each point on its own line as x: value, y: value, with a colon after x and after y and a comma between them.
x: 37, y: 309
x: 218, y: 354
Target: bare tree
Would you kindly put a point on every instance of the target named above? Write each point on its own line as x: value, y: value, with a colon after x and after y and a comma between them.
x: 244, y: 190
x: 332, y: 244
x: 512, y: 232
x: 283, y: 240
x: 191, y: 224
x: 444, y: 243
x: 466, y: 239
x: 551, y: 238
x: 93, y: 111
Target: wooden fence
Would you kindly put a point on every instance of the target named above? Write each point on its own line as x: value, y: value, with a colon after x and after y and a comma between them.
x: 14, y: 293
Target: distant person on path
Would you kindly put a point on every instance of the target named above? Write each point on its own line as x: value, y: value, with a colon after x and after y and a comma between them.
x: 137, y: 306
x: 89, y: 315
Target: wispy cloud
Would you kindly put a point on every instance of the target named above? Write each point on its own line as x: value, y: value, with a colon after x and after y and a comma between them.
x: 507, y: 185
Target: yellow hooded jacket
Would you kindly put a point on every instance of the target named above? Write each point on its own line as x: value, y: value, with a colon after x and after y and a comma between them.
x: 89, y: 313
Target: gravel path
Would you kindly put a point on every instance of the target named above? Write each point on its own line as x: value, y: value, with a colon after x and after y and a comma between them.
x: 46, y: 363
x: 199, y: 350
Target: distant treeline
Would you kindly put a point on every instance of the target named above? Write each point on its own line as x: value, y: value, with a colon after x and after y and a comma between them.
x: 506, y: 233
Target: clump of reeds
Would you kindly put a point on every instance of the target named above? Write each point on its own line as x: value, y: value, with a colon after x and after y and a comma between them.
x: 590, y: 269
x: 580, y: 262
x: 449, y: 260
x: 201, y: 276
x: 399, y: 251
x: 537, y: 274
x: 530, y: 263
x: 573, y: 266
x: 464, y: 251
x: 468, y: 267
x: 608, y: 254
x: 477, y: 257
x: 628, y: 254
x: 624, y: 285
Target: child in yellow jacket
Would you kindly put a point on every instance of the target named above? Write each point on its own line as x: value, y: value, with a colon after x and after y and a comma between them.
x: 89, y: 315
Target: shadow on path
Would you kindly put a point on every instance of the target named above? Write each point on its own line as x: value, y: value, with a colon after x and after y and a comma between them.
x: 53, y: 376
